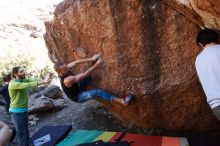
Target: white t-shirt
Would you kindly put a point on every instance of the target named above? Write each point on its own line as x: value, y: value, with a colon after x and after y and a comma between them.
x: 208, y: 70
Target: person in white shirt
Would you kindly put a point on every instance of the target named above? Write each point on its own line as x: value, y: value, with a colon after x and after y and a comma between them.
x: 208, y: 67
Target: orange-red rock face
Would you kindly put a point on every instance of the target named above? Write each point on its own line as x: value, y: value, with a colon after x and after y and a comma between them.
x: 149, y: 49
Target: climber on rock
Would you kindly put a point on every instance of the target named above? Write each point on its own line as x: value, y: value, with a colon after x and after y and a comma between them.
x: 208, y: 67
x: 74, y: 85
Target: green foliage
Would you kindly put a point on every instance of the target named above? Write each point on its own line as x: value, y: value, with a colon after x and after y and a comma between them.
x: 40, y: 73
x: 24, y: 60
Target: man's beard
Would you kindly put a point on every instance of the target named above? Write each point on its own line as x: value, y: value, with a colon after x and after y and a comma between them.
x: 22, y: 77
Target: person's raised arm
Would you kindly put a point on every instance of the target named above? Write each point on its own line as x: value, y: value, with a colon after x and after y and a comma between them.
x: 46, y: 80
x: 74, y: 63
x: 20, y: 85
x: 68, y: 82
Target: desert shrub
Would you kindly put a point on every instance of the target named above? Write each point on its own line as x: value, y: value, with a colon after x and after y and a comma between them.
x: 27, y: 61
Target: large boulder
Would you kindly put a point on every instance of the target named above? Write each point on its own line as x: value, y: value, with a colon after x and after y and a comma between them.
x: 51, y: 98
x: 51, y: 91
x: 149, y: 48
x: 208, y: 10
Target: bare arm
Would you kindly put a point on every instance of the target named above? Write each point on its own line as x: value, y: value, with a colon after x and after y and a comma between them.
x: 46, y: 80
x: 5, y: 134
x: 74, y: 63
x: 70, y: 80
x: 2, y: 124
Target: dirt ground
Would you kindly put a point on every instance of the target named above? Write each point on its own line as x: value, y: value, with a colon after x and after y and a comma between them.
x: 90, y: 115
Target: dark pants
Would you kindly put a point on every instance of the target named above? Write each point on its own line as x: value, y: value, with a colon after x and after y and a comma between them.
x: 2, y: 103
x: 216, y: 111
x: 7, y: 103
x: 20, y: 121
